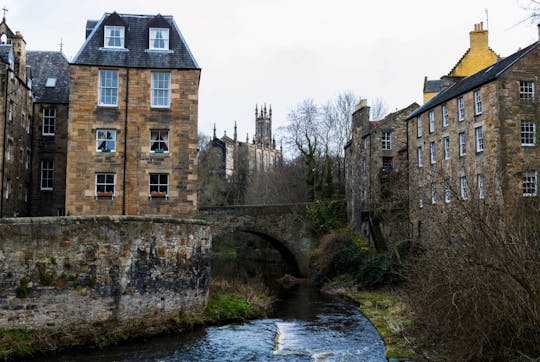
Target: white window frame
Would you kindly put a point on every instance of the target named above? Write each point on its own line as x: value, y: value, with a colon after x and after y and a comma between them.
x: 420, y: 199
x: 464, y: 188
x: 419, y: 156
x: 106, y: 185
x: 153, y: 40
x: 9, y: 149
x: 432, y: 153
x: 477, y: 102
x: 433, y: 193
x: 447, y: 193
x: 48, y: 122
x: 479, y: 139
x: 156, y: 186
x: 446, y: 147
x: 386, y: 138
x: 418, y: 126
x: 107, y: 136
x: 46, y: 179
x: 461, y: 109
x: 109, y: 37
x: 365, y: 143
x: 161, y: 140
x: 364, y: 164
x: 530, y: 183
x: 462, y: 144
x: 445, y: 115
x: 526, y: 91
x: 431, y: 116
x: 108, y: 87
x: 161, y: 92
x: 480, y: 186
x: 528, y: 133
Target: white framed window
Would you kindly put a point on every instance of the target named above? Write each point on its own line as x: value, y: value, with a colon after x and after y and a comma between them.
x: 461, y: 109
x: 9, y: 150
x: 433, y: 193
x: 114, y: 37
x: 462, y: 144
x: 480, y: 186
x: 108, y: 87
x: 106, y: 140
x: 528, y: 133
x: 10, y: 112
x: 530, y: 183
x: 464, y: 189
x: 447, y: 193
x: 365, y: 143
x: 48, y: 124
x: 477, y: 102
x: 418, y: 126
x: 386, y: 137
x: 105, y: 185
x: 431, y: 116
x: 446, y: 147
x: 7, y: 188
x: 47, y: 175
x: 420, y: 199
x: 364, y: 164
x: 479, y: 139
x: 432, y: 151
x: 445, y: 115
x: 159, y: 141
x: 526, y: 91
x: 159, y: 185
x: 159, y: 39
x: 161, y: 89
x: 419, y: 156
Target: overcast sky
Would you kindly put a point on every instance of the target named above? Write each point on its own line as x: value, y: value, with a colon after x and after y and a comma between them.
x: 284, y: 51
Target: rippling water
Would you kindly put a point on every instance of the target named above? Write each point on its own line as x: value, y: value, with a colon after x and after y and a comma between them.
x: 305, y: 327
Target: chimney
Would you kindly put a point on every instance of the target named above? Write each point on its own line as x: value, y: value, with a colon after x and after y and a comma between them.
x: 360, y: 116
x: 479, y: 37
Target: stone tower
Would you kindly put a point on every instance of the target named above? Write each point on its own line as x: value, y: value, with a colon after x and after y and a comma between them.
x: 263, y: 126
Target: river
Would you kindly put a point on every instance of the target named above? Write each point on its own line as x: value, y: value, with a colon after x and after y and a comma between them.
x: 306, y: 326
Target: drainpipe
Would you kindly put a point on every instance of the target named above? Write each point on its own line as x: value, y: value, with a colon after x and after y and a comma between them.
x: 4, y: 146
x: 125, y: 145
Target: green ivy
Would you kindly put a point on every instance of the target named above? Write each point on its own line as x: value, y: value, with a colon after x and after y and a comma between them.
x: 328, y: 215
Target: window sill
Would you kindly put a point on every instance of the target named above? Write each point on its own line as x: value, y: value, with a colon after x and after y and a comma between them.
x: 108, y: 106
x: 159, y: 152
x: 157, y: 50
x: 104, y: 196
x: 48, y: 134
x: 527, y: 145
x: 114, y: 49
x: 158, y: 195
x: 160, y: 108
x: 106, y: 151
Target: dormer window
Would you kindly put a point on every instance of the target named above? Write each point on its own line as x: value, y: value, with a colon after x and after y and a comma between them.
x: 114, y: 37
x: 159, y: 39
x: 51, y: 83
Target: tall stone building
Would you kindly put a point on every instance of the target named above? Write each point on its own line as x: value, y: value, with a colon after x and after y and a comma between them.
x: 16, y: 110
x: 132, y: 134
x: 477, y: 140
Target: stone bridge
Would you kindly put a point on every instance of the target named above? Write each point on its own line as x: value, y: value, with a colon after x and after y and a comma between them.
x: 287, y: 227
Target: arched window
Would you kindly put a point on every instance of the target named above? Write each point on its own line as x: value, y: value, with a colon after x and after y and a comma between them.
x: 3, y: 38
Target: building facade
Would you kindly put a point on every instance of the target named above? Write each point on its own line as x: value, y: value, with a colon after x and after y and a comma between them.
x: 132, y: 134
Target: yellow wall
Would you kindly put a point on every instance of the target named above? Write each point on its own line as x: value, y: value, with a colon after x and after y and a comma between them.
x: 479, y: 55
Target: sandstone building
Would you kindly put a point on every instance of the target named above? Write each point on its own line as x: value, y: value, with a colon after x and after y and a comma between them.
x: 132, y: 133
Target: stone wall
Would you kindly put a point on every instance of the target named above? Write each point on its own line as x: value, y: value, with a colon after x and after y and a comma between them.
x: 56, y: 272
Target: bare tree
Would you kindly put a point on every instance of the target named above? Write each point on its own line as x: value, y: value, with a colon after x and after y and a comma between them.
x: 378, y: 109
x: 533, y: 8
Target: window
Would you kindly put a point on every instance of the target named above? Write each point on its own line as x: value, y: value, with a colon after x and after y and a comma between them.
x: 51, y: 83
x: 386, y: 137
x: 106, y: 140
x: 479, y: 137
x: 432, y: 155
x: 388, y: 164
x: 447, y: 193
x: 477, y: 102
x: 8, y: 150
x: 10, y: 112
x: 47, y: 173
x: 419, y: 155
x: 480, y: 186
x: 461, y: 109
x: 364, y: 164
x: 463, y: 188
x: 526, y: 91
x: 446, y: 146
x: 159, y: 141
x: 105, y: 184
x: 61, y: 211
x: 433, y: 193
x: 159, y: 39
x: 419, y: 126
x: 365, y: 143
x: 420, y: 199
x: 530, y: 184
x: 528, y: 133
x: 49, y: 122
x: 27, y: 160
x: 28, y: 123
x: 114, y: 37
x: 431, y: 122
x: 159, y: 185
x: 462, y: 150
x: 445, y: 115
x: 7, y: 188
x: 161, y: 86
x: 108, y: 87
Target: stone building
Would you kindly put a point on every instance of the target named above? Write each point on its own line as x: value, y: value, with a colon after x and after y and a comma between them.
x: 376, y: 174
x: 50, y: 87
x: 478, y: 140
x: 477, y: 57
x: 16, y: 110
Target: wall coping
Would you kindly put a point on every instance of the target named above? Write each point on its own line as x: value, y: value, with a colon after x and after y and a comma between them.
x: 100, y: 218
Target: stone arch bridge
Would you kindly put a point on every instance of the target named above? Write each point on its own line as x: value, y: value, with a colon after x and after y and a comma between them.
x: 287, y: 227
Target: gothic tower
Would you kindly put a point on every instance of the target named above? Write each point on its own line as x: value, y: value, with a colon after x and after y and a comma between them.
x: 263, y: 126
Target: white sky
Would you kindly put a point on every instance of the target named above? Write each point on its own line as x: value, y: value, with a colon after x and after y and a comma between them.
x: 284, y: 51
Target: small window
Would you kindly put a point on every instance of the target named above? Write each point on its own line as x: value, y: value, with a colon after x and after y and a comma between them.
x: 447, y: 193
x: 461, y: 109
x: 446, y: 145
x: 106, y: 140
x: 445, y: 115
x: 463, y: 188
x: 528, y: 133
x: 420, y: 199
x: 462, y: 149
x: 419, y: 155
x: 479, y: 137
x: 159, y: 39
x: 161, y: 89
x: 419, y: 126
x: 530, y: 183
x: 10, y: 112
x: 105, y: 185
x: 388, y: 164
x: 364, y: 164
x: 480, y: 186
x: 433, y: 193
x: 51, y: 83
x: 526, y: 91
x: 365, y: 143
x: 47, y: 174
x: 432, y: 151
x: 159, y: 185
x: 477, y: 102
x: 48, y: 122
x: 108, y: 87
x: 159, y: 141
x: 7, y: 189
x: 114, y: 37
x: 386, y: 138
x: 9, y: 150
x: 431, y: 115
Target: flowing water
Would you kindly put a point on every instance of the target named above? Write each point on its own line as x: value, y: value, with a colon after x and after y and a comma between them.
x: 306, y: 326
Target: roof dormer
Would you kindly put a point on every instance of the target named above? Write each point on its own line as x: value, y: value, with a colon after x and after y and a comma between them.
x: 159, y: 31
x: 114, y: 32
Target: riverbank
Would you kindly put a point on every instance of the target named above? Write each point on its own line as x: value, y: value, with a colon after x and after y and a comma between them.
x: 228, y: 301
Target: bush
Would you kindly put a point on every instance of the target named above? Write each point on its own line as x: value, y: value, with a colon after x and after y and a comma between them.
x: 327, y: 216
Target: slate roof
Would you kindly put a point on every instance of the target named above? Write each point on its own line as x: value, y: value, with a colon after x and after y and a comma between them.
x: 475, y: 80
x: 49, y: 64
x: 136, y: 53
x: 5, y: 49
x: 432, y: 86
